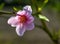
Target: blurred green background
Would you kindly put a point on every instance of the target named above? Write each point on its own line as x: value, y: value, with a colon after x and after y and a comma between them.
x: 36, y: 36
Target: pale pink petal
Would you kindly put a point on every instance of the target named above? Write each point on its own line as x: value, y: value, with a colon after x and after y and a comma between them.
x: 12, y: 21
x: 20, y: 29
x: 29, y: 26
x: 30, y: 19
x: 28, y: 14
x: 21, y: 12
x: 28, y: 8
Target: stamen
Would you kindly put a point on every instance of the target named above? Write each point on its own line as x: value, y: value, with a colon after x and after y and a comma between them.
x: 22, y: 18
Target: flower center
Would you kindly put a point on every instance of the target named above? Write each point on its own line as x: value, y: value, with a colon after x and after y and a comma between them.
x: 22, y: 18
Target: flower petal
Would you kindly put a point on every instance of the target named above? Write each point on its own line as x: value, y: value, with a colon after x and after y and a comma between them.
x: 29, y: 26
x: 30, y: 19
x: 28, y: 8
x: 21, y: 12
x: 12, y: 21
x: 20, y: 29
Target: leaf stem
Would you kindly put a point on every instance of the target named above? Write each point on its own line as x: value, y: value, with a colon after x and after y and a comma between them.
x: 6, y: 12
x: 45, y: 28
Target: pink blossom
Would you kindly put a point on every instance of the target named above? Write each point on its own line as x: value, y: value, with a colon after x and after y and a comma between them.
x: 22, y: 21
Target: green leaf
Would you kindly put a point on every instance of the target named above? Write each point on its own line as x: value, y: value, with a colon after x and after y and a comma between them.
x: 1, y: 6
x: 15, y: 9
x: 45, y: 1
x: 59, y: 33
x: 43, y: 17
